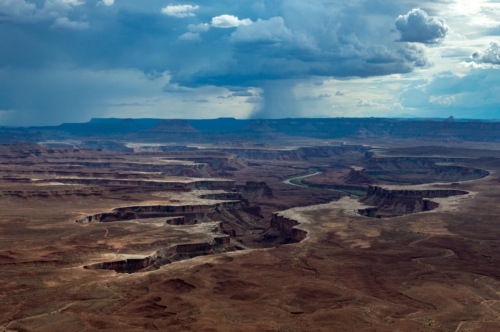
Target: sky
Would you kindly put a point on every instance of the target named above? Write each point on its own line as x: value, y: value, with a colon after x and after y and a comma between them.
x: 73, y: 60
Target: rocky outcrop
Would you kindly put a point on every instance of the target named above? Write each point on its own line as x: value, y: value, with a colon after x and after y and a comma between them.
x: 253, y: 210
x: 407, y: 163
x: 85, y: 168
x: 254, y: 190
x: 176, y: 221
x: 418, y: 170
x: 394, y: 202
x: 189, y: 212
x: 358, y: 176
x: 266, y: 154
x: 302, y: 153
x: 217, y: 160
x: 57, y: 194
x: 287, y: 227
x: 219, y: 244
x: 22, y: 149
x: 339, y: 186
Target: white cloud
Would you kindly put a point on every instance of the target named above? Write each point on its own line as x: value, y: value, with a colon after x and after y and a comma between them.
x: 179, y: 11
x: 475, y: 95
x: 444, y: 101
x: 229, y: 21
x: 190, y: 36
x: 202, y: 27
x: 417, y: 26
x: 263, y: 31
x: 491, y: 55
x: 367, y: 103
x: 65, y: 23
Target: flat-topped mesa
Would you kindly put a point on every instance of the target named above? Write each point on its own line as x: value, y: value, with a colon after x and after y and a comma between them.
x: 170, y: 169
x: 407, y: 163
x: 174, y: 126
x: 171, y: 185
x: 294, y: 154
x: 424, y: 193
x: 418, y: 170
x: 191, y: 213
x: 219, y: 244
x: 395, y: 202
x: 217, y: 160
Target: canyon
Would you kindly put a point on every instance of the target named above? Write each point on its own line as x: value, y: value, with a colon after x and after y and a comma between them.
x: 270, y: 225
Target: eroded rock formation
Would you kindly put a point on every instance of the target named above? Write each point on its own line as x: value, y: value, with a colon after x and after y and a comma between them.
x: 219, y: 244
x: 189, y: 212
x: 395, y: 202
x: 287, y: 227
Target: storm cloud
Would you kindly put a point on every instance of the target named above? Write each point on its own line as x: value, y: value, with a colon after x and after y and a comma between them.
x: 269, y: 45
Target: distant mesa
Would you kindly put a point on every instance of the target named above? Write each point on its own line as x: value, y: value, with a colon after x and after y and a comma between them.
x: 449, y: 119
x: 258, y: 126
x: 128, y: 122
x: 174, y: 126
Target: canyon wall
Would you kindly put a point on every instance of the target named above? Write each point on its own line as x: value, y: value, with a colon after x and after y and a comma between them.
x: 189, y: 212
x: 287, y: 227
x: 219, y: 244
x: 394, y: 202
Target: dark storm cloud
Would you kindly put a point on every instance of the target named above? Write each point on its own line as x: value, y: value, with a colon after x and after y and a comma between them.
x: 268, y: 44
x: 417, y: 26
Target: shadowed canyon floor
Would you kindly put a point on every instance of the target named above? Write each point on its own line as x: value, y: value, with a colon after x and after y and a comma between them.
x: 213, y: 239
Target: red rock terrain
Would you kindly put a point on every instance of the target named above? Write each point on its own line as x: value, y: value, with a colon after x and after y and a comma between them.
x: 245, y: 252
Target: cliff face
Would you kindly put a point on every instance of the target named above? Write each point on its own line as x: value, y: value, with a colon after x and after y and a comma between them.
x: 302, y: 153
x: 219, y: 244
x: 418, y: 170
x: 287, y: 227
x: 407, y: 163
x: 375, y: 191
x: 255, y: 190
x: 189, y: 212
x: 188, y: 170
x: 390, y: 203
x: 154, y: 184
x: 358, y: 177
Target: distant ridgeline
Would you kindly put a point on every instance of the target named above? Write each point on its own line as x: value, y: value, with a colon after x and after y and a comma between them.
x: 230, y: 128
